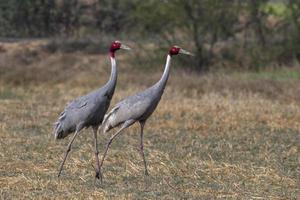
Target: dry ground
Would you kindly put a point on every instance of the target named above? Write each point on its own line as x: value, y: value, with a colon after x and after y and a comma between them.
x: 212, y: 136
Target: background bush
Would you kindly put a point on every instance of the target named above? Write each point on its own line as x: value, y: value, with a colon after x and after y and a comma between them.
x: 231, y: 34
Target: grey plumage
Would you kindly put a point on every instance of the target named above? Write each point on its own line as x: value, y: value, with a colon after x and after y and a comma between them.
x: 138, y: 107
x: 88, y: 110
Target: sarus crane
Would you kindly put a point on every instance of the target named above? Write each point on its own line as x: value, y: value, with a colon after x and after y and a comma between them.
x: 88, y: 110
x: 138, y: 107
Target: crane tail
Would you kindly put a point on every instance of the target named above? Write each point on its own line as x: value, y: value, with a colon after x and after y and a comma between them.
x: 58, y: 126
x: 108, y: 118
x: 58, y: 130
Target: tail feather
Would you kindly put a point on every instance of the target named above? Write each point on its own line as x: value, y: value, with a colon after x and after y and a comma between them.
x: 108, y: 118
x: 62, y: 116
x: 58, y: 126
x: 58, y: 130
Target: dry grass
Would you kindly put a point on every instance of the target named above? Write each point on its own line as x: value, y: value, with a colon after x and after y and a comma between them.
x: 212, y: 137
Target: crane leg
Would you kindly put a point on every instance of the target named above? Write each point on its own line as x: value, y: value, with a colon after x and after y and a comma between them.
x: 97, y: 168
x: 67, y: 152
x: 125, y: 125
x: 142, y: 147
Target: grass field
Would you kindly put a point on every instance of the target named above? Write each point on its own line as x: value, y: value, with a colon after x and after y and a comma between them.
x: 212, y: 136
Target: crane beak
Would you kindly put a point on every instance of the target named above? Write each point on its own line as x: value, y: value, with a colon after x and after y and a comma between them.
x: 182, y: 51
x: 123, y: 46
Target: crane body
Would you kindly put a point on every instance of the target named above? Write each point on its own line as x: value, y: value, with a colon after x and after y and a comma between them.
x: 88, y: 110
x: 138, y: 107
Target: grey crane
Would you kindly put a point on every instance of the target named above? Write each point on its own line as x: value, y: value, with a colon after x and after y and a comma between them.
x: 138, y: 107
x: 88, y: 110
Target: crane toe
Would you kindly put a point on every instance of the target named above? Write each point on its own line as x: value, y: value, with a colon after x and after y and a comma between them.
x: 98, y: 176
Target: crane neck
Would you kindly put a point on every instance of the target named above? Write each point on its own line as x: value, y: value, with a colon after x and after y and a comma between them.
x: 161, y: 84
x: 111, y: 84
x: 113, y: 73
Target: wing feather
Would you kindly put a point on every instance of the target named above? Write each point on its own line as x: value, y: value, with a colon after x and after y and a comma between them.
x: 106, y: 117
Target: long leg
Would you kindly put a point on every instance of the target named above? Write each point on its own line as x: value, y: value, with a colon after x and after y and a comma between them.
x: 67, y: 152
x: 125, y: 125
x: 97, y: 168
x: 142, y: 123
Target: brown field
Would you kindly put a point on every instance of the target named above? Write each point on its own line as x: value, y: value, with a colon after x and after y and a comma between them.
x: 213, y: 136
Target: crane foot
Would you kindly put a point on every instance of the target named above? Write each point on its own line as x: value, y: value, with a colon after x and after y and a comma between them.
x: 98, y: 176
x: 146, y: 173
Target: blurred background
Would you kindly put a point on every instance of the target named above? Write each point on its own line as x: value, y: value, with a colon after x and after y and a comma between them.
x: 233, y: 34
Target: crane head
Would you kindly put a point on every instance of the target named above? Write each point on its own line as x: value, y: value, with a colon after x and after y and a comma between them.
x: 175, y: 50
x: 116, y: 45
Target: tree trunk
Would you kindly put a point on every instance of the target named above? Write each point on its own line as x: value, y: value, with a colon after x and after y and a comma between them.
x: 256, y: 19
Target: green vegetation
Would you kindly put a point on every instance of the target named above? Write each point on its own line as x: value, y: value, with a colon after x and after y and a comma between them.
x: 278, y: 9
x: 276, y: 74
x: 7, y: 94
x: 240, y: 34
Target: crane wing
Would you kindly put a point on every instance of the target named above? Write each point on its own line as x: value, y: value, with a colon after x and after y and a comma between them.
x: 77, y: 103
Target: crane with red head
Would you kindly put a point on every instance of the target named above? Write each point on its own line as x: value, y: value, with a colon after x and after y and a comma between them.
x: 88, y: 110
x: 138, y: 107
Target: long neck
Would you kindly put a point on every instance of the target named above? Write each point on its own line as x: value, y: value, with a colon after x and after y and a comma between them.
x: 164, y: 78
x: 111, y: 84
